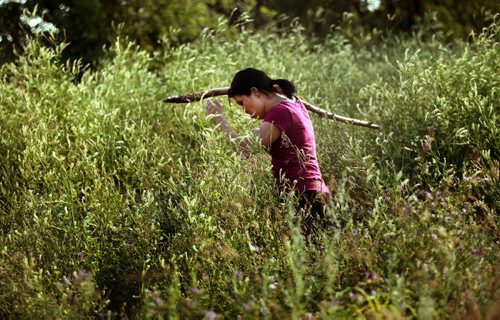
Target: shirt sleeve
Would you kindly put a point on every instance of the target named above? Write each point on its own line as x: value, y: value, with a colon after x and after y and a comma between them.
x: 280, y: 116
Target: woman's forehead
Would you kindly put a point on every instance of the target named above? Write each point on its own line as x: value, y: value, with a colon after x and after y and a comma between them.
x: 239, y: 98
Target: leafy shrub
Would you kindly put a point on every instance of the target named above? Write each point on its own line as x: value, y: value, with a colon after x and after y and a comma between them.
x: 115, y: 204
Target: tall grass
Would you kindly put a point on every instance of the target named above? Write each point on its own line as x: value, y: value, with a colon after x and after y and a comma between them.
x: 114, y: 204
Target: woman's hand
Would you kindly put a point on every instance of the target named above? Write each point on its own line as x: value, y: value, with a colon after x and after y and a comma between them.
x: 215, y: 109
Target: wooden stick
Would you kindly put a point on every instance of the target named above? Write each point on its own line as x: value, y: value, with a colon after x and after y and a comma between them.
x: 197, y: 96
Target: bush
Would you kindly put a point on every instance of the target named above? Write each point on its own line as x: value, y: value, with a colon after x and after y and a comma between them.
x: 115, y: 204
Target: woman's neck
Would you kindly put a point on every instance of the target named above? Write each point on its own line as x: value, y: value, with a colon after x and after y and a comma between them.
x: 274, y: 100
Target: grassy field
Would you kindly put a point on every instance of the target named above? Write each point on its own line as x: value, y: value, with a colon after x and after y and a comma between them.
x: 115, y: 204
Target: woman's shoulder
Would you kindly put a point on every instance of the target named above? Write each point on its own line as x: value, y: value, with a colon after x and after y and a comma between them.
x: 281, y: 112
x: 292, y: 106
x: 279, y: 109
x: 290, y: 103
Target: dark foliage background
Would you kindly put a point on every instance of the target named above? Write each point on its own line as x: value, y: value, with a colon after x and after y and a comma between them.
x: 90, y: 24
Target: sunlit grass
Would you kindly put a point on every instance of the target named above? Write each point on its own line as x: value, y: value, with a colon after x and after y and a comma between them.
x: 113, y: 203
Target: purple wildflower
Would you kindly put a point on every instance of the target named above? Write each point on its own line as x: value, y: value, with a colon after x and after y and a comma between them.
x: 81, y: 275
x: 477, y: 252
x: 210, y: 315
x: 355, y: 296
x: 158, y: 300
x: 247, y: 306
x: 195, y: 291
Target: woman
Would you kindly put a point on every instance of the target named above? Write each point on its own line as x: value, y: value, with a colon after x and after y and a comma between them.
x: 287, y: 133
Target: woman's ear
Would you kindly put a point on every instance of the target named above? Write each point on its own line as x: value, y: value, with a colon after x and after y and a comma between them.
x: 255, y: 91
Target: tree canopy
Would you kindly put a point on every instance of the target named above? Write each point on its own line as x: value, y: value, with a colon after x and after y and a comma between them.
x: 88, y: 25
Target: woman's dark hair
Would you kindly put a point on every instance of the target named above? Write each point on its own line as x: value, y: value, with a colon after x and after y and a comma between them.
x: 249, y: 78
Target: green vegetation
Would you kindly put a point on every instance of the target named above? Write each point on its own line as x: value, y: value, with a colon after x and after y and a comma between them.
x: 88, y: 25
x: 113, y: 203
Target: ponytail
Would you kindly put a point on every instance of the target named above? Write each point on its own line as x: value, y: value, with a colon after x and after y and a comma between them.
x: 249, y: 78
x: 286, y: 86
